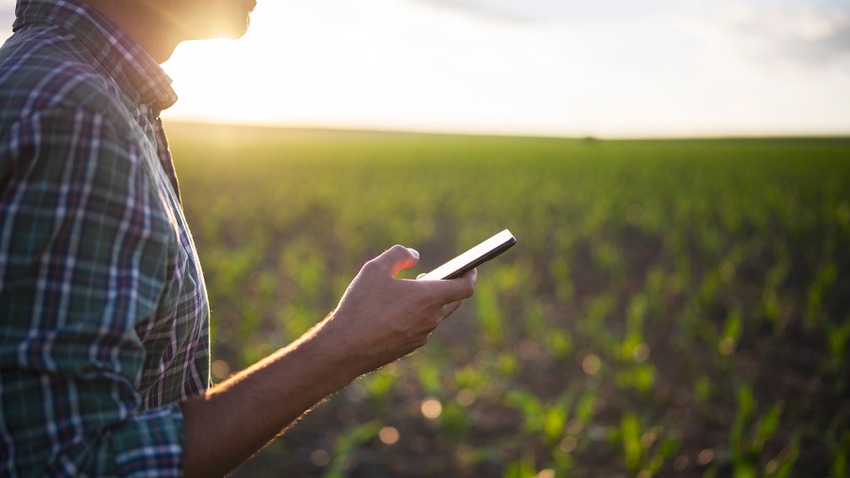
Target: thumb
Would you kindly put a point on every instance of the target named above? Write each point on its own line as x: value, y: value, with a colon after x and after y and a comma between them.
x: 397, y: 258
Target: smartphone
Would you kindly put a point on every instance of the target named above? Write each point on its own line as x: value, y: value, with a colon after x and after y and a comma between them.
x: 472, y: 258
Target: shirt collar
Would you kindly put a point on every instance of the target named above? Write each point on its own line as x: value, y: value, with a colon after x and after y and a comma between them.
x: 122, y: 58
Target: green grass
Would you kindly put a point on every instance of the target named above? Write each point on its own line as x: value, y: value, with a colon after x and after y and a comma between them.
x: 671, y: 307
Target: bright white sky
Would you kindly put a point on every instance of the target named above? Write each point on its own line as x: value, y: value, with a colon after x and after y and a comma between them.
x: 609, y: 68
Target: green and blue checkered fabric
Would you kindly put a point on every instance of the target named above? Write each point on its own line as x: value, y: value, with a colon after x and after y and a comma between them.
x: 104, y: 320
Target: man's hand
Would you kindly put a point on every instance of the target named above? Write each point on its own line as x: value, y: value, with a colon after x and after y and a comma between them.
x: 380, y: 318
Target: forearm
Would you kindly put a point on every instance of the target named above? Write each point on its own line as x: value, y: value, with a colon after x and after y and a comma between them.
x: 240, y: 416
x: 378, y: 320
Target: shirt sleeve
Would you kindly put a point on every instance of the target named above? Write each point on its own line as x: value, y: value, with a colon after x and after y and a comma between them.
x: 83, y: 247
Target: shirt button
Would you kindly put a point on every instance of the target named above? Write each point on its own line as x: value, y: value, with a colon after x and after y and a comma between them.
x: 143, y: 109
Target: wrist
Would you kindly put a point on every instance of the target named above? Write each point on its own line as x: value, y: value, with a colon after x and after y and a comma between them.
x: 330, y: 351
x: 343, y: 346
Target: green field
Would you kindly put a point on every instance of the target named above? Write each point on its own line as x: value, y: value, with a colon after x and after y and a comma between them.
x: 672, y: 307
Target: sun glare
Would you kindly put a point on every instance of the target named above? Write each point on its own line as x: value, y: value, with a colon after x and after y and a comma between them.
x: 412, y: 65
x: 286, y: 69
x: 227, y: 80
x: 383, y: 63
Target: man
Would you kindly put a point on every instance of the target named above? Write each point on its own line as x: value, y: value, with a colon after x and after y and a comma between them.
x: 104, y: 343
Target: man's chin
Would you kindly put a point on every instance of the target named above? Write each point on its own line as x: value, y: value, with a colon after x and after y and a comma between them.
x: 245, y: 13
x: 231, y: 26
x: 228, y: 32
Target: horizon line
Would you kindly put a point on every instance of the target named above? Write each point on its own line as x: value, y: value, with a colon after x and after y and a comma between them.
x: 506, y: 134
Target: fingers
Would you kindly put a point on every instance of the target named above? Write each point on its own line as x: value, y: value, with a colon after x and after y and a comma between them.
x: 383, y: 318
x: 449, y: 309
x: 398, y: 257
x: 465, y: 285
x: 453, y: 290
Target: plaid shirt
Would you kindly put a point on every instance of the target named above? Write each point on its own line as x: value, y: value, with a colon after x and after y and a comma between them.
x: 104, y: 322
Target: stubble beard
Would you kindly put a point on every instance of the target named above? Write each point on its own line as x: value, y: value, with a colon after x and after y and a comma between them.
x: 242, y: 18
x: 222, y: 19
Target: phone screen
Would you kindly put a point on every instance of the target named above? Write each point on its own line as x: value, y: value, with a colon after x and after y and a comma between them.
x: 474, y: 257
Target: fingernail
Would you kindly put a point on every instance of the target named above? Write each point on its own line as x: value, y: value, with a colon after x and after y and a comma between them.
x: 414, y: 252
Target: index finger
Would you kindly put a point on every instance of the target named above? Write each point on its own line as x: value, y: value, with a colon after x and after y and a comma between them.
x: 452, y: 290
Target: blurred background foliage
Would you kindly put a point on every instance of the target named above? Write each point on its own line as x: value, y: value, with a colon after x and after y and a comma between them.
x: 672, y: 306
